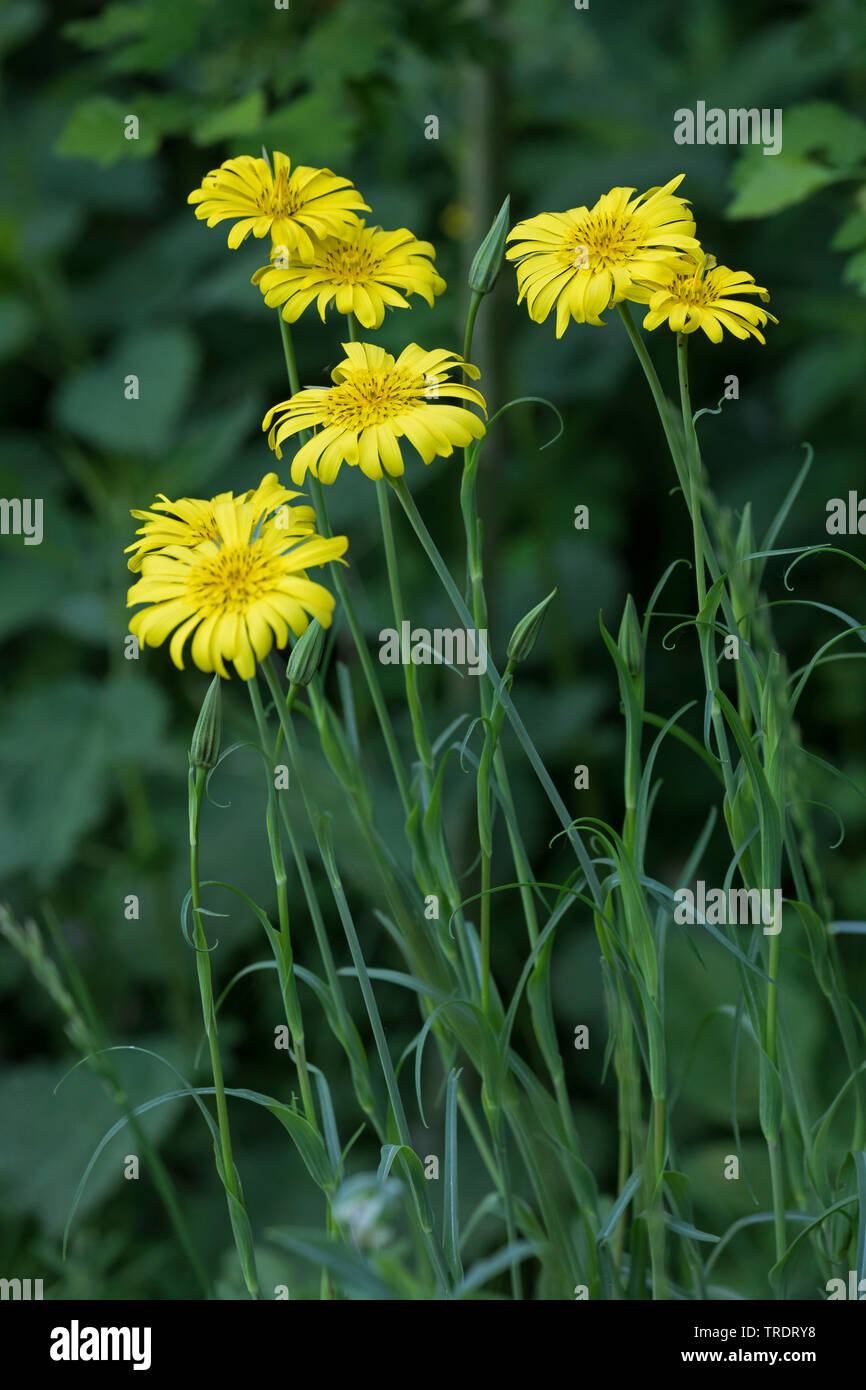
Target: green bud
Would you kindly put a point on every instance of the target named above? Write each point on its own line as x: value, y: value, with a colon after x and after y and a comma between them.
x: 306, y: 655
x: 629, y: 639
x: 746, y: 544
x: 772, y: 719
x: 524, y: 636
x: 208, y: 732
x: 489, y: 257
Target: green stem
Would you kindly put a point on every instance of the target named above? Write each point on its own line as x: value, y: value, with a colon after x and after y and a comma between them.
x: 493, y: 677
x: 475, y: 299
x: 279, y: 871
x: 774, y: 1142
x: 197, y: 778
x: 693, y: 466
x: 485, y: 933
x: 341, y: 587
x: 335, y: 882
x: 416, y: 712
x: 101, y: 1064
x: 692, y: 492
x: 475, y: 577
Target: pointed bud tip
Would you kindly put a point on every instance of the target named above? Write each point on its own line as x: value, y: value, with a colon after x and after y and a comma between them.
x: 207, y: 735
x: 629, y: 639
x: 525, y: 634
x: 306, y: 655
x: 488, y: 259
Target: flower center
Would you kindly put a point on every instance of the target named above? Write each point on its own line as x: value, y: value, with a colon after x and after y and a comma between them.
x: 370, y: 397
x: 692, y: 290
x: 233, y: 580
x: 351, y: 265
x: 281, y: 201
x: 599, y: 242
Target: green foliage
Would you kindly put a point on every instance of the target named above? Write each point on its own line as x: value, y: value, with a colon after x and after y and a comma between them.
x: 104, y: 273
x: 823, y: 145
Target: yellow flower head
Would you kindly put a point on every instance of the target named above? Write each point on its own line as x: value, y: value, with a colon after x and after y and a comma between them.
x: 192, y: 520
x: 237, y: 595
x: 693, y: 292
x: 589, y: 258
x: 291, y: 206
x: 362, y: 269
x: 374, y: 403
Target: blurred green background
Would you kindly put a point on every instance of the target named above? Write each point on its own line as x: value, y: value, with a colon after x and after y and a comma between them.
x: 105, y: 272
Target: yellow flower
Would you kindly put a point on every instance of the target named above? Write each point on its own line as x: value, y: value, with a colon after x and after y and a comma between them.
x: 362, y: 269
x: 589, y: 258
x: 238, y: 594
x: 693, y: 292
x: 374, y: 403
x: 293, y: 207
x: 191, y: 520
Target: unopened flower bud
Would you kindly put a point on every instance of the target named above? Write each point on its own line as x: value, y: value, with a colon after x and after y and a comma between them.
x: 524, y: 636
x: 208, y: 732
x: 629, y: 639
x: 306, y: 655
x: 489, y: 257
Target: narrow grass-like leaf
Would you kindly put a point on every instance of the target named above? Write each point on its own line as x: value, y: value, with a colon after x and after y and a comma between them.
x: 351, y: 1271
x: 494, y: 1265
x: 813, y: 1225
x: 790, y: 498
x: 859, y: 1157
x: 451, y: 1213
x: 619, y: 1206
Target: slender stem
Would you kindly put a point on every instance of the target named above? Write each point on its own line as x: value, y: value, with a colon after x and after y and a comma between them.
x: 777, y: 1183
x: 197, y: 780
x: 341, y: 587
x: 774, y: 1143
x: 657, y: 1225
x: 658, y: 394
x: 435, y: 1254
x: 693, y: 465
x: 413, y: 698
x: 689, y: 469
x: 556, y: 801
x: 475, y: 576
x: 485, y: 933
x: 471, y: 314
x: 279, y: 870
x: 375, y: 1020
x: 365, y: 1098
x: 101, y: 1063
x: 686, y: 473
x: 510, y: 1221
x: 493, y: 725
x: 681, y: 470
